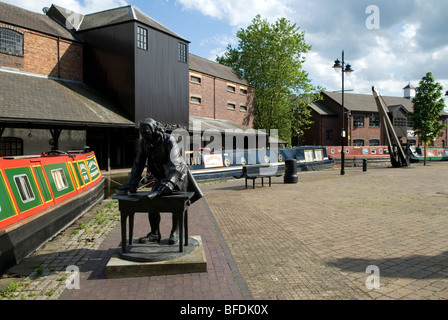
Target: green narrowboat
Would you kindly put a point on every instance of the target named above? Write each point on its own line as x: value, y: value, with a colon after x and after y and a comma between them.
x: 432, y: 154
x: 40, y: 196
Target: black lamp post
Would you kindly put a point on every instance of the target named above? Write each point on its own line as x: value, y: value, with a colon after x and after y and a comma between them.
x: 348, y: 70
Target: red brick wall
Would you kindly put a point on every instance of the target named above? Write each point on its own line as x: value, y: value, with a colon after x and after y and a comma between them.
x: 40, y: 55
x: 322, y: 123
x: 366, y: 132
x: 215, y: 98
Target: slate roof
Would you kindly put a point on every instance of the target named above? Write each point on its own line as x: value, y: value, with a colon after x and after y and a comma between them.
x: 322, y: 109
x: 215, y: 69
x: 366, y: 102
x: 22, y: 18
x: 121, y: 15
x: 38, y: 100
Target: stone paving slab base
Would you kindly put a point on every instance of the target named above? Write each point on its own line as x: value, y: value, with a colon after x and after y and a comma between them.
x: 192, y: 260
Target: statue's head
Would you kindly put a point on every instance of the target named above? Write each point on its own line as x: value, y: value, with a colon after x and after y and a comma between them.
x: 151, y: 130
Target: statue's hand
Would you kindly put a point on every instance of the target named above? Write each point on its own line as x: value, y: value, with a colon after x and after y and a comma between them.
x: 166, y: 187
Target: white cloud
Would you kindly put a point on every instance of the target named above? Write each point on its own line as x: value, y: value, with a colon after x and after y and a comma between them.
x: 240, y: 13
x: 218, y: 44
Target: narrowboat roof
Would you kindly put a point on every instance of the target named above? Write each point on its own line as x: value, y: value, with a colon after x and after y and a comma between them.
x: 38, y: 100
x: 23, y: 18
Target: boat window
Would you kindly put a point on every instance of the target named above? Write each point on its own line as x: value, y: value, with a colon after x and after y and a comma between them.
x: 59, y: 179
x: 319, y: 155
x: 24, y: 187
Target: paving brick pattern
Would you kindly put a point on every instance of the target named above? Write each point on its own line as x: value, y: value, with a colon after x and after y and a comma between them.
x: 310, y: 240
x: 315, y: 239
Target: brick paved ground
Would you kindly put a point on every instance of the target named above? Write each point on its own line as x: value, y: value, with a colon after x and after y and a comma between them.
x: 310, y: 240
x: 218, y: 283
x: 315, y: 239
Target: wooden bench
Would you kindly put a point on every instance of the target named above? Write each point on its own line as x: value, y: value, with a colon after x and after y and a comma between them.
x: 258, y: 171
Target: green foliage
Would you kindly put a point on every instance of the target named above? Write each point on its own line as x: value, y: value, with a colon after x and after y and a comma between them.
x: 8, y: 292
x: 428, y: 104
x: 270, y: 57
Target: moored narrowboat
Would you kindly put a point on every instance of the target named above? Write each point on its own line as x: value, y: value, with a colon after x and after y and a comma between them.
x: 208, y: 165
x: 363, y: 152
x: 40, y: 196
x: 432, y: 154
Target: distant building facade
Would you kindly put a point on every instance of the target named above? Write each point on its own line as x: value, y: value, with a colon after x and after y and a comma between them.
x: 362, y: 120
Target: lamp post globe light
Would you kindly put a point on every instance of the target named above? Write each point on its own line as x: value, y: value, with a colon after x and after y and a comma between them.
x: 345, y: 69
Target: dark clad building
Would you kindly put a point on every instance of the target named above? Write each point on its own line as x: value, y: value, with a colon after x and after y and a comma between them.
x: 136, y: 61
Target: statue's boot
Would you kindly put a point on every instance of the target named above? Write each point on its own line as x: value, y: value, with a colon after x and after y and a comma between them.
x: 154, y: 235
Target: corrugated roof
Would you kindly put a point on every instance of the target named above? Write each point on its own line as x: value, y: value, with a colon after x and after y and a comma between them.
x: 22, y: 18
x: 203, y: 123
x: 221, y: 125
x: 120, y: 15
x: 215, y: 69
x: 29, y: 98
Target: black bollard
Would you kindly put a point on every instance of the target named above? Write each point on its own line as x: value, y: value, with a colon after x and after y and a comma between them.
x: 364, y: 165
x: 290, y: 171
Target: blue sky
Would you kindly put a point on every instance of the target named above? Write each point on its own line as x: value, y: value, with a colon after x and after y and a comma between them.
x: 406, y: 39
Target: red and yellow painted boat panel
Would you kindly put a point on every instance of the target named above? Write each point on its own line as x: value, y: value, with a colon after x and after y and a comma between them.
x: 29, y: 185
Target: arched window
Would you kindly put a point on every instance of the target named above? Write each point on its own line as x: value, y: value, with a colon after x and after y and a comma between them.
x: 10, y: 146
x: 11, y: 41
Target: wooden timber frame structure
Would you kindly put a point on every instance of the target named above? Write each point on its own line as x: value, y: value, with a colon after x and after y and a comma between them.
x: 398, y: 157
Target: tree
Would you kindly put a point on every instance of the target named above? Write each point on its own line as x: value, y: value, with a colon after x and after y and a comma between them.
x: 428, y: 104
x: 270, y: 57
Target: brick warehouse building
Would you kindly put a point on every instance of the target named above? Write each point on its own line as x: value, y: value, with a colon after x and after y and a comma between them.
x: 218, y: 92
x: 362, y: 122
x: 51, y: 96
x: 43, y: 102
x: 50, y: 49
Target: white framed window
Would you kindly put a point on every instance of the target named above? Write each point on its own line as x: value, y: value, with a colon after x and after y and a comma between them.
x: 182, y: 52
x: 24, y: 187
x: 59, y: 179
x: 231, y: 88
x: 142, y: 38
x: 195, y: 79
x: 231, y: 106
x: 195, y: 99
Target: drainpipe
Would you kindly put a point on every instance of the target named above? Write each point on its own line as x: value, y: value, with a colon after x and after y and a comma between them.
x: 214, y: 98
x: 59, y: 58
